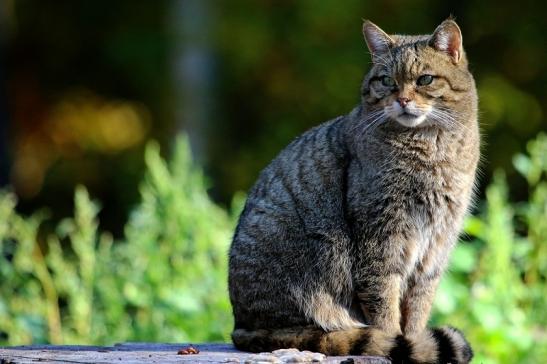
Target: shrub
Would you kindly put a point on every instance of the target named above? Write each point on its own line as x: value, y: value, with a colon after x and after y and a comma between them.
x: 166, y: 281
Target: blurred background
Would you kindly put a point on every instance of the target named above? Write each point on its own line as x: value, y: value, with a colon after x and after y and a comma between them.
x: 85, y: 87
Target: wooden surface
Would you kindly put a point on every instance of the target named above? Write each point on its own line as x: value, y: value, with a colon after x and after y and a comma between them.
x: 141, y: 353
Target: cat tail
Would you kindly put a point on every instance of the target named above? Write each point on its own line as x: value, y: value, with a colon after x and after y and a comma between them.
x: 433, y: 346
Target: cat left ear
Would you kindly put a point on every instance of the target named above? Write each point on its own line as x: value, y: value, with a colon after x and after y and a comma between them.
x: 448, y: 38
x: 377, y: 40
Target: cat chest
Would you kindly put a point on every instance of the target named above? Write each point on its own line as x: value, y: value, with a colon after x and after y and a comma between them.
x: 417, y: 213
x: 405, y: 200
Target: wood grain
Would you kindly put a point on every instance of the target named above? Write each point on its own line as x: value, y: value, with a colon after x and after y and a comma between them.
x: 141, y: 353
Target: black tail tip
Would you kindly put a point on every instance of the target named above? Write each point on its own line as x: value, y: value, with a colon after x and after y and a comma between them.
x: 453, y: 346
x: 466, y: 350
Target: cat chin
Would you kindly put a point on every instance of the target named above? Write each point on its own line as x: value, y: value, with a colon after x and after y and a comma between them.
x: 410, y: 122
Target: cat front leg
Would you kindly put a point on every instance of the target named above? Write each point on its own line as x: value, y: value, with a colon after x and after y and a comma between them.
x: 379, y: 297
x: 417, y: 301
x: 422, y: 284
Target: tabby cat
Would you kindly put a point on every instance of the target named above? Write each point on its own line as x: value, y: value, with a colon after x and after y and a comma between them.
x: 345, y: 235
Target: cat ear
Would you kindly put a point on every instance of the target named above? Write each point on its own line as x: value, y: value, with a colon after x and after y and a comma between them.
x: 448, y: 38
x: 377, y: 40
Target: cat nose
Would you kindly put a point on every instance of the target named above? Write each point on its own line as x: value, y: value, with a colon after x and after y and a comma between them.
x: 403, y: 101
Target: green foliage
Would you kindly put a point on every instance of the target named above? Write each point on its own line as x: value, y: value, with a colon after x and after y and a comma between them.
x: 497, y: 285
x: 166, y: 280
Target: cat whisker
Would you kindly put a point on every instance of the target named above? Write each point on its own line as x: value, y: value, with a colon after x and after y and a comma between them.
x: 443, y: 120
x: 378, y: 59
x: 363, y: 125
x: 449, y: 112
x: 451, y: 124
x: 375, y: 122
x: 367, y: 121
x: 447, y: 119
x: 382, y: 60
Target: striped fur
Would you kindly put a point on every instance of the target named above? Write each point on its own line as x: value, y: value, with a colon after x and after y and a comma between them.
x: 346, y: 234
x: 440, y: 345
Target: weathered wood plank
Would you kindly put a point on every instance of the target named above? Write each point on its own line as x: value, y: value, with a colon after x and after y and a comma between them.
x: 141, y: 353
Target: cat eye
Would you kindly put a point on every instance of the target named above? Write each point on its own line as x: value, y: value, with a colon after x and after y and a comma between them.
x: 424, y: 80
x: 388, y: 81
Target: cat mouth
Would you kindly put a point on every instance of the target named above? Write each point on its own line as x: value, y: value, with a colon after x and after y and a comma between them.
x: 410, y: 120
x: 407, y: 115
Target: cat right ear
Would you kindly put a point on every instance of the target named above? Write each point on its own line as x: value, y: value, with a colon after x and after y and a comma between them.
x: 447, y: 38
x: 377, y: 40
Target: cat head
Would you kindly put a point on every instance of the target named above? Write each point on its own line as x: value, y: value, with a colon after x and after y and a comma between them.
x: 417, y: 80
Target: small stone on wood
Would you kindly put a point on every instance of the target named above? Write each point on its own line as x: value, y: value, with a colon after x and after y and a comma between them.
x: 190, y: 349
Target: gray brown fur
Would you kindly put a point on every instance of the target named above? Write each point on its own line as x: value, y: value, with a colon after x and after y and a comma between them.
x: 345, y: 235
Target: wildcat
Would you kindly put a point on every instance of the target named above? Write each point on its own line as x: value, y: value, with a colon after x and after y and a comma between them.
x: 345, y: 235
